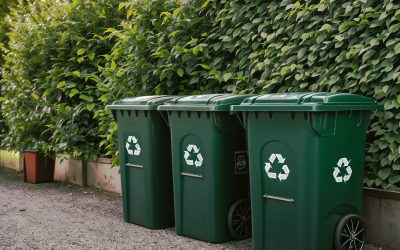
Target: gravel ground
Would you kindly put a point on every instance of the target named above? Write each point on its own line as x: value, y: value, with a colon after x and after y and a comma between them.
x: 63, y: 216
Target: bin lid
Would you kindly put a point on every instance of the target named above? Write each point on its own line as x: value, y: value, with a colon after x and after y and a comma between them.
x: 208, y: 102
x: 150, y: 102
x: 321, y: 101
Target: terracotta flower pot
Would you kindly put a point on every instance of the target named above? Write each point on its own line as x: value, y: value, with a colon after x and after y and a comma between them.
x: 38, y: 168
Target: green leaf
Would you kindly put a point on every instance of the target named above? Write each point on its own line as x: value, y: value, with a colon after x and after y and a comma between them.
x: 253, y: 55
x: 368, y: 55
x: 35, y: 96
x: 61, y: 84
x: 311, y: 57
x: 298, y: 77
x: 284, y: 70
x: 113, y: 65
x: 257, y: 20
x: 91, y: 106
x: 397, y: 48
x: 76, y: 73
x: 301, y: 53
x: 129, y: 13
x: 205, y: 4
x: 180, y: 72
x: 227, y: 76
x: 394, y: 28
x: 304, y: 85
x: 394, y: 179
x: 346, y: 25
x: 204, y: 66
x: 177, y: 11
x: 110, y: 30
x: 384, y: 173
x: 326, y: 26
x: 86, y: 98
x: 247, y: 26
x: 80, y: 59
x: 263, y: 35
x: 81, y: 52
x: 73, y: 92
x: 284, y: 49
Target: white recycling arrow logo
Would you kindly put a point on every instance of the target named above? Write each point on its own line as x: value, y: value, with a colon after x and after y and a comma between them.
x: 268, y: 167
x: 342, y: 163
x: 132, y: 139
x: 191, y: 148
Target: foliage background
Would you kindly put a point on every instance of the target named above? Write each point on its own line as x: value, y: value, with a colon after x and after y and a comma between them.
x: 51, y: 74
x: 202, y: 46
x: 5, y: 6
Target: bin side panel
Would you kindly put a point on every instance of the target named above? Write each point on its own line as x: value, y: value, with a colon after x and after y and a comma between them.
x: 159, y: 176
x: 227, y: 182
x: 342, y: 171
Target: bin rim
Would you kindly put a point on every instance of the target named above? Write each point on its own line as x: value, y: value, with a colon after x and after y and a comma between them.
x: 135, y: 103
x: 211, y: 105
x: 306, y: 107
x: 313, y: 102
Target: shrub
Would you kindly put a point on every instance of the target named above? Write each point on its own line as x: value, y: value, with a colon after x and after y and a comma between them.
x: 51, y: 75
x: 5, y: 6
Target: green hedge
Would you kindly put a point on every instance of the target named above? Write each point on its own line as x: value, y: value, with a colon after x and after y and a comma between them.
x: 51, y: 73
x: 5, y: 6
x: 240, y: 46
x: 261, y: 47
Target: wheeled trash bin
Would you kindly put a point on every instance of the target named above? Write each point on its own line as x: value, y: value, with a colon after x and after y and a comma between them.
x: 306, y: 153
x: 145, y: 161
x: 210, y: 169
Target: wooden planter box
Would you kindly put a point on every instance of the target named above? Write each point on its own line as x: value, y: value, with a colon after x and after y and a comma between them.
x: 38, y: 168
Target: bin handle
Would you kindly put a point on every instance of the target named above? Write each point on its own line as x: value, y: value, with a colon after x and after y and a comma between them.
x: 278, y: 198
x: 191, y: 175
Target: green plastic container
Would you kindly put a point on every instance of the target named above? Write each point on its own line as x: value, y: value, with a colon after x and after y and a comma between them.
x: 306, y: 153
x: 210, y: 170
x: 145, y: 161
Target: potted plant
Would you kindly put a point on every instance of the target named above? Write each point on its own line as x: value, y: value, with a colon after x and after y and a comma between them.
x: 38, y: 161
x: 38, y: 167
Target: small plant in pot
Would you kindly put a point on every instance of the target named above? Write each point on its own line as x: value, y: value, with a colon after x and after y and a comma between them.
x: 28, y: 120
x: 38, y: 166
x: 38, y: 161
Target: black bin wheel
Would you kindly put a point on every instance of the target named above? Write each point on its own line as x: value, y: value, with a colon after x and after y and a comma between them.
x: 239, y: 219
x: 350, y: 233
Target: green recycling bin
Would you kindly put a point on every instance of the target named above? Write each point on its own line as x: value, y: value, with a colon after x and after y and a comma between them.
x: 210, y: 170
x: 145, y: 161
x: 306, y: 153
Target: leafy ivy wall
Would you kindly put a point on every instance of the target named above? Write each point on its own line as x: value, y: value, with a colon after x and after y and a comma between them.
x: 147, y: 47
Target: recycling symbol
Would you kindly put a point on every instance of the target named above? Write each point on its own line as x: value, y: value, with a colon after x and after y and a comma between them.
x: 268, y: 167
x: 343, y: 163
x: 191, y: 148
x: 132, y: 139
